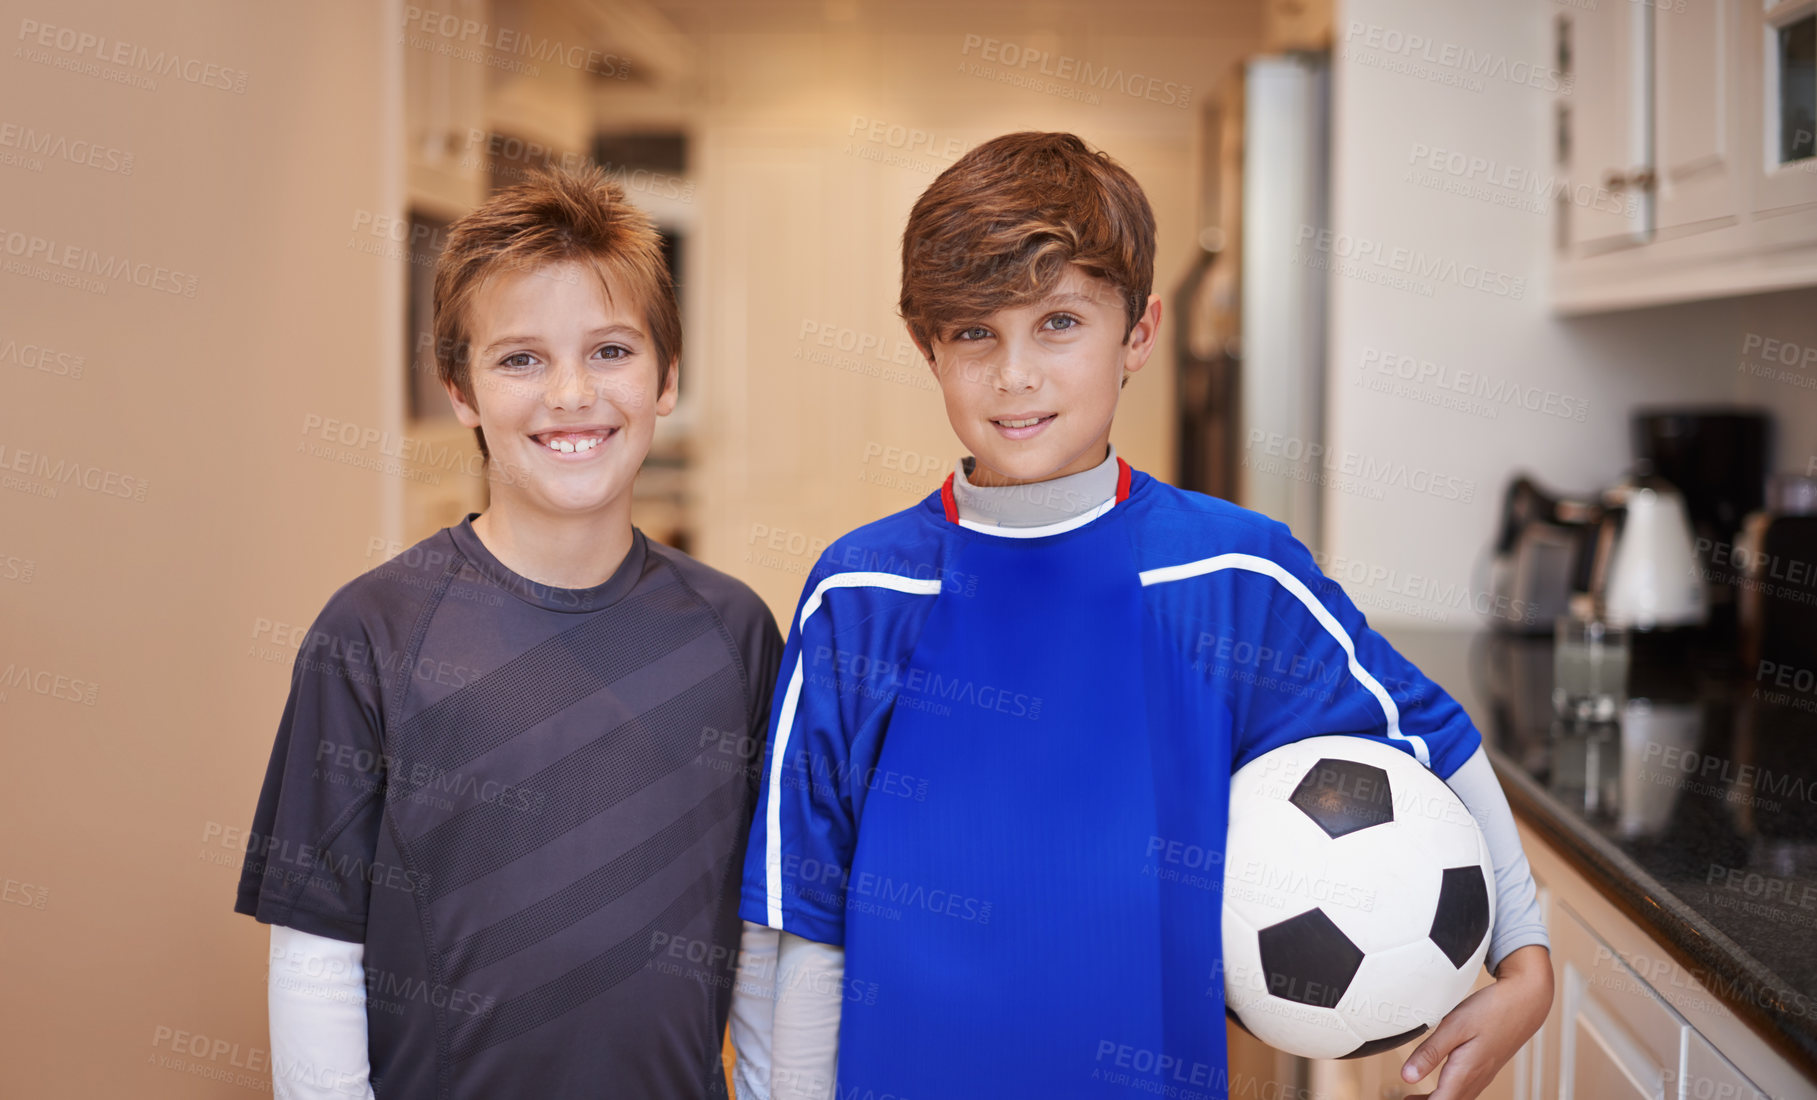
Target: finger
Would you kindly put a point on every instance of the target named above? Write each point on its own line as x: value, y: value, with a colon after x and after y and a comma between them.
x: 1430, y: 1053
x: 1461, y: 1079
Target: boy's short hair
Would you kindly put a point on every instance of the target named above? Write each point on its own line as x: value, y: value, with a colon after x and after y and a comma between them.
x: 998, y: 228
x: 555, y: 217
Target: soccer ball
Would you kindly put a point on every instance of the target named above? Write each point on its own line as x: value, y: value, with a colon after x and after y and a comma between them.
x: 1358, y: 898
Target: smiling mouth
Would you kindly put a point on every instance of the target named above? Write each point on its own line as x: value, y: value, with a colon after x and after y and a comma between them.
x: 1022, y: 423
x: 574, y: 442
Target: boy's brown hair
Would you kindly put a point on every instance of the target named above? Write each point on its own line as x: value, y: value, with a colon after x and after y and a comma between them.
x: 998, y: 228
x: 555, y: 217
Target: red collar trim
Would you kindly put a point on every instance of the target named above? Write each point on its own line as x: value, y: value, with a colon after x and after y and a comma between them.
x: 951, y: 502
x: 947, y: 498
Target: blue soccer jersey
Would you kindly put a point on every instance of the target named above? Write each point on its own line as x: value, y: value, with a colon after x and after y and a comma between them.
x: 999, y: 771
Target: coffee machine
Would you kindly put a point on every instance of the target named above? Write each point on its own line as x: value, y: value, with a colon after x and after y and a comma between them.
x: 1652, y: 551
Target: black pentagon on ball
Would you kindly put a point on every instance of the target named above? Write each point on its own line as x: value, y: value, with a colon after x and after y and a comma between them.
x: 1462, y: 919
x: 1342, y: 796
x: 1376, y: 1046
x: 1308, y: 959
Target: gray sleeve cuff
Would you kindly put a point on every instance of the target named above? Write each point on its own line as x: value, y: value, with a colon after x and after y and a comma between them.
x: 1519, y: 921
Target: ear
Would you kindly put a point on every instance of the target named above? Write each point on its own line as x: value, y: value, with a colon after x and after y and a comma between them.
x: 467, y: 414
x: 1142, y: 336
x: 671, y: 387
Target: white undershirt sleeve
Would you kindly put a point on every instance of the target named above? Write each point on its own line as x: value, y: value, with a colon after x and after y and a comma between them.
x: 1518, y: 919
x: 810, y: 985
x: 754, y: 1011
x: 317, y: 998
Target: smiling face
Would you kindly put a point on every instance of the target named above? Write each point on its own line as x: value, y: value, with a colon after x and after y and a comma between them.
x: 1031, y: 390
x: 566, y: 386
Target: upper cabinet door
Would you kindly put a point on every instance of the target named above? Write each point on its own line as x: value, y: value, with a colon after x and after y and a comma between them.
x: 1606, y: 124
x: 1780, y: 48
x: 1697, y: 158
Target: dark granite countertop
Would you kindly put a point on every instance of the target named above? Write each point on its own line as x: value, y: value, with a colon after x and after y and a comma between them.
x: 1696, y: 813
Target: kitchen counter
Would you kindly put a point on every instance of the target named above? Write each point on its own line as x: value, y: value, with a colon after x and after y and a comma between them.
x: 1696, y: 813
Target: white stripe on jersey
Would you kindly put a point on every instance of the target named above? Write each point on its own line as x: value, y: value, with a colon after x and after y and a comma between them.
x: 1292, y: 584
x: 785, y: 721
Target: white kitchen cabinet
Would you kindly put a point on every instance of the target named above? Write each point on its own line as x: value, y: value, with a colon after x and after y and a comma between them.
x: 1616, y: 1038
x: 1679, y: 138
x: 1777, y: 42
x: 1696, y: 162
x: 1627, y: 1022
x: 1608, y: 120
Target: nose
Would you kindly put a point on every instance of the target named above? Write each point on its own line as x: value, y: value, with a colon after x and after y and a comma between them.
x: 1011, y: 371
x: 567, y: 386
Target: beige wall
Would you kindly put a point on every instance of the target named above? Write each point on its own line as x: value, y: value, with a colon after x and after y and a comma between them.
x: 116, y: 930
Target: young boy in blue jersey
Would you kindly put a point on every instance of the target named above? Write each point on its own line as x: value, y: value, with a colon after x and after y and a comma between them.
x: 1062, y: 654
x: 498, y: 841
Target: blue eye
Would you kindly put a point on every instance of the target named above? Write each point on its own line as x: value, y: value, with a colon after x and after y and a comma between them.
x: 976, y: 332
x: 1069, y: 319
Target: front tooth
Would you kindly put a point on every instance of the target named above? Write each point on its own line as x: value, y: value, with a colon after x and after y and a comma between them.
x: 586, y: 444
x: 564, y: 446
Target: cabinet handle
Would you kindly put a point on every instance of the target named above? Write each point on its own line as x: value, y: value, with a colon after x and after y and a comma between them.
x: 1641, y: 179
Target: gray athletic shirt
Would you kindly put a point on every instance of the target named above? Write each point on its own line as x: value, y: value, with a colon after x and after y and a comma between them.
x: 529, y: 803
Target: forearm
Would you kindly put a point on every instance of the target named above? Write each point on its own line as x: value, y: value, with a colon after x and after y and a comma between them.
x: 1519, y: 921
x: 317, y: 1005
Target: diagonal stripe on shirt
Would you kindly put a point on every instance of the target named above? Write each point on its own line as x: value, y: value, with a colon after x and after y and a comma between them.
x: 580, y: 786
x: 558, y: 996
x: 588, y: 895
x: 543, y: 681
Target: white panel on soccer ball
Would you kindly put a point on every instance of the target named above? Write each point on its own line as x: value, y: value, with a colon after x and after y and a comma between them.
x: 1243, y: 981
x: 1300, y: 1029
x: 1274, y: 857
x: 1385, y: 892
x: 1408, y: 987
